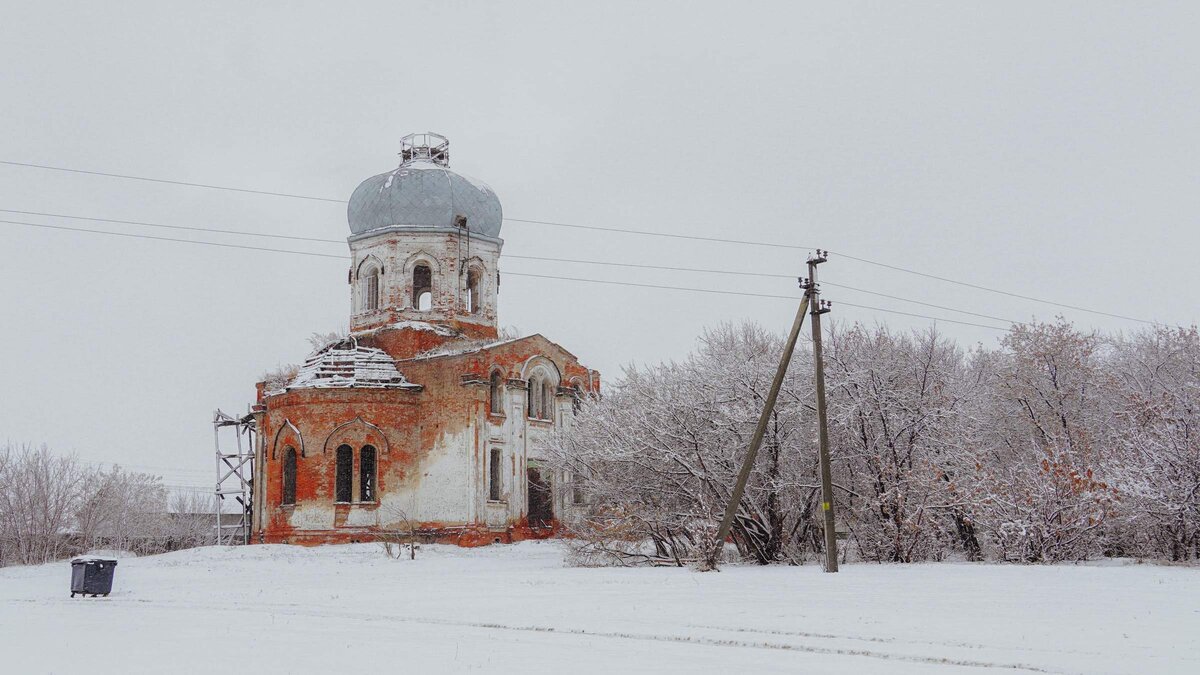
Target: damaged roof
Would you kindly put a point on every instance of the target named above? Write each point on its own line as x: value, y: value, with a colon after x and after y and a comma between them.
x: 346, y: 364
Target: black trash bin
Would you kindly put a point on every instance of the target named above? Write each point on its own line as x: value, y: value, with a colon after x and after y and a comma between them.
x: 92, y: 576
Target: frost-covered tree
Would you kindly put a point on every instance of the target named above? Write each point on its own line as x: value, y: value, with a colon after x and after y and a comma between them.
x: 1156, y: 433
x: 53, y: 507
x: 658, y: 453
x: 1045, y: 494
x: 1059, y: 444
x: 898, y: 404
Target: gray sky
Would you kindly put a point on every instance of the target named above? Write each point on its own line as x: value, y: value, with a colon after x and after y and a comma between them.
x: 1048, y: 149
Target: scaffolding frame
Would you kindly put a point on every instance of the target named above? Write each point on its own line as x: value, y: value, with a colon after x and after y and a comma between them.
x: 235, y: 477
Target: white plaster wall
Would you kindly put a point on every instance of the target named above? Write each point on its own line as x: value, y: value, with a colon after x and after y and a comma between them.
x: 443, y: 473
x: 446, y: 251
x: 311, y: 517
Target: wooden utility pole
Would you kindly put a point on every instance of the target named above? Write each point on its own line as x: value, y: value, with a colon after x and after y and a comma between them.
x: 735, y: 499
x: 816, y: 308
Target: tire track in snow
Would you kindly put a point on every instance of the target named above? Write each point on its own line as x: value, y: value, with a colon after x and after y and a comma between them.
x: 889, y: 640
x: 298, y: 609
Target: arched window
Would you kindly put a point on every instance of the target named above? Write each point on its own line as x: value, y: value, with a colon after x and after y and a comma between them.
x: 541, y: 396
x: 289, y: 476
x: 534, y: 401
x: 547, y: 399
x: 577, y: 495
x: 495, y: 475
x: 368, y: 288
x: 576, y: 397
x: 366, y: 474
x: 496, y: 393
x: 342, y: 491
x: 422, y: 288
x: 472, y: 300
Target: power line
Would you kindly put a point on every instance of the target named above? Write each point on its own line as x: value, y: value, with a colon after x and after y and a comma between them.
x: 661, y: 234
x: 617, y: 230
x: 517, y: 274
x: 867, y: 261
x: 182, y: 241
x: 761, y: 274
x: 756, y: 295
x: 528, y: 257
x: 172, y: 182
x: 995, y: 290
x: 175, y: 227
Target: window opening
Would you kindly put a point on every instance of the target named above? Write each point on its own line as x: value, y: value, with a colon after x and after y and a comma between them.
x: 472, y: 299
x: 496, y: 393
x: 366, y: 470
x: 494, y: 477
x: 370, y: 289
x: 577, y: 496
x: 342, y: 483
x: 535, y: 397
x: 547, y: 400
x: 289, y: 476
x: 422, y: 288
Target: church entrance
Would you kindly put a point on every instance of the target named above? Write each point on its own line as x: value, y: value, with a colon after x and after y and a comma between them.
x: 541, y: 507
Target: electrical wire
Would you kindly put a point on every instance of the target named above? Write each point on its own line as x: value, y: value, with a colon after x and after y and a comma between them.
x: 528, y: 257
x: 174, y: 227
x: 616, y: 230
x: 182, y: 241
x: 171, y: 182
x: 517, y: 274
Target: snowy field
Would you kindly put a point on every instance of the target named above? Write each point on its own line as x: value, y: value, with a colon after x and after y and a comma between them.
x: 517, y: 609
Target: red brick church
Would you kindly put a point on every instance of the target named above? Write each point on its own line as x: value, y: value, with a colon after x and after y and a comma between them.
x: 422, y: 416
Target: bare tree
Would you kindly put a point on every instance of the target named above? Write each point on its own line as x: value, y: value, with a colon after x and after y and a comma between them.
x: 1060, y: 444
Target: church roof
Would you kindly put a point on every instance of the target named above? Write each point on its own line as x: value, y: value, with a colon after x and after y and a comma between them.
x: 345, y: 364
x: 424, y: 193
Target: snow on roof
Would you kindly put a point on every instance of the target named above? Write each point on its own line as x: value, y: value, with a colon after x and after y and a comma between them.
x: 444, y: 331
x: 424, y: 325
x: 344, y: 364
x: 457, y: 348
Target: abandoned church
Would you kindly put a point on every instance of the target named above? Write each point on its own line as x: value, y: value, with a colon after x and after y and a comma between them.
x: 422, y: 417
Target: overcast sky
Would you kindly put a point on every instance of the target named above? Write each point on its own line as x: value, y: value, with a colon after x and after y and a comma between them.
x: 1049, y: 149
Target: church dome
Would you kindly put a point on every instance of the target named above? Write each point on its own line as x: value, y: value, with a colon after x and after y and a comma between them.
x: 424, y: 192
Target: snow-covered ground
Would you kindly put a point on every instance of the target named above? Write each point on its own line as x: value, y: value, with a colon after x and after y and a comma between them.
x: 518, y: 609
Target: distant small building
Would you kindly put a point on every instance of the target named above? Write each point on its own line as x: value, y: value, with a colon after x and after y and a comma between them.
x: 422, y: 417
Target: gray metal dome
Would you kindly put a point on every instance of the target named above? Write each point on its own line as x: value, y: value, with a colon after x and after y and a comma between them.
x: 422, y: 192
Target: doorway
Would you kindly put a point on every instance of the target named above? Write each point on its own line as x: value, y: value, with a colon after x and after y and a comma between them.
x: 541, y: 506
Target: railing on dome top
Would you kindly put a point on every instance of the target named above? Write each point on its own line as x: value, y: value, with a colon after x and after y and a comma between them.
x: 430, y: 146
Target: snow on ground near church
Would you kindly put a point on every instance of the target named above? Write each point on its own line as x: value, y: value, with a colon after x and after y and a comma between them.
x: 509, y: 609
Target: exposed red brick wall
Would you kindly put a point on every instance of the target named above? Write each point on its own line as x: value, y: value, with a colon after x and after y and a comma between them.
x: 410, y: 425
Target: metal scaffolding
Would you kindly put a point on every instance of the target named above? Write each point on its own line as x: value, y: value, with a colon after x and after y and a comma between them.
x: 235, y: 477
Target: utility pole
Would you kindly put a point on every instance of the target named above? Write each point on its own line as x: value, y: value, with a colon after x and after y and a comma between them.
x: 739, y: 488
x: 817, y: 308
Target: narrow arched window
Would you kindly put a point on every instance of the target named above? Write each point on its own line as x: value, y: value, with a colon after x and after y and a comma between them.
x: 289, y: 476
x: 547, y: 400
x: 472, y: 299
x: 577, y: 495
x: 496, y: 393
x: 369, y: 288
x: 422, y: 288
x: 495, y: 475
x: 366, y: 474
x: 342, y: 491
x: 534, y: 397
